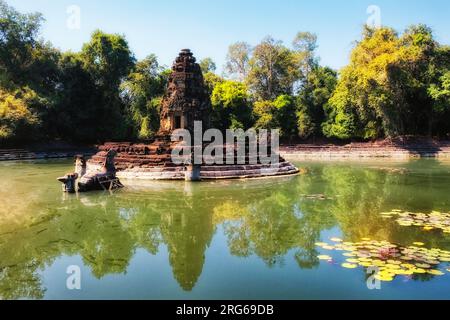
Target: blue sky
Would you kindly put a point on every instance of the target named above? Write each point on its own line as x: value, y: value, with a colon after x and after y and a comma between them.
x: 208, y: 27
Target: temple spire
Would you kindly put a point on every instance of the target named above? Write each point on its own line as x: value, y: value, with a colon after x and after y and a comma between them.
x: 187, y: 99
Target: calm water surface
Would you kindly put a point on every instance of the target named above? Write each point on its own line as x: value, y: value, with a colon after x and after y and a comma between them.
x: 220, y: 240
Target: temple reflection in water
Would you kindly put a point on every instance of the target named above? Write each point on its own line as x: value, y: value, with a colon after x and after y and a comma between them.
x: 264, y: 218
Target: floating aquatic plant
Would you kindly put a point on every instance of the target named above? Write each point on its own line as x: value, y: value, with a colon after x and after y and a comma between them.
x: 392, y: 260
x: 427, y: 221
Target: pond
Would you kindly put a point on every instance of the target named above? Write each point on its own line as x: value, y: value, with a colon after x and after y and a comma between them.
x: 255, y: 239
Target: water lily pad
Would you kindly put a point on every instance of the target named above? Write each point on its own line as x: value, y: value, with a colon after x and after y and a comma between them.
x: 351, y: 260
x: 430, y: 221
x: 419, y: 270
x: 366, y: 264
x: 405, y: 272
x: 407, y: 258
x: 394, y: 262
x: 435, y: 272
x: 423, y: 265
x: 384, y: 278
x: 392, y: 259
x: 324, y: 257
x: 349, y: 254
x: 378, y: 263
x: 364, y: 259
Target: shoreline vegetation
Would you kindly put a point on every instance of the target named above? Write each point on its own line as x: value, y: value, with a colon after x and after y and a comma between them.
x: 395, y: 85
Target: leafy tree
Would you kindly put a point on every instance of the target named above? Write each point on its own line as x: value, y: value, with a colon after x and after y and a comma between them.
x: 108, y: 60
x: 395, y: 84
x: 305, y: 42
x: 207, y: 65
x: 277, y: 114
x: 431, y: 63
x: 18, y: 41
x: 28, y: 66
x: 265, y: 115
x: 385, y: 90
x: 286, y: 115
x: 273, y: 70
x: 212, y: 80
x: 17, y: 120
x: 343, y: 124
x: 142, y: 92
x: 305, y: 45
x: 440, y: 93
x: 312, y: 101
x: 238, y: 60
x: 78, y: 113
x: 231, y: 107
x: 362, y: 94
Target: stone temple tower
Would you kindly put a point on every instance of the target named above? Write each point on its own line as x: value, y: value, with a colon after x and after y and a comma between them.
x: 187, y: 99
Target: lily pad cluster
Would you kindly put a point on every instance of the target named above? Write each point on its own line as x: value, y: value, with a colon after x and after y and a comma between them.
x: 390, y: 259
x: 427, y: 221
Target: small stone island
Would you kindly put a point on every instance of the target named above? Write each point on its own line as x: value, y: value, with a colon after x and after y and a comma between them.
x: 186, y: 101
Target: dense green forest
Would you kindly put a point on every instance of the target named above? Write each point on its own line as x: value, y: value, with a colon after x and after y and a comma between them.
x: 395, y: 84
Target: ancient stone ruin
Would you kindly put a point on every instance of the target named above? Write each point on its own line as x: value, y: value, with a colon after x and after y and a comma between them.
x: 103, y: 178
x: 186, y: 101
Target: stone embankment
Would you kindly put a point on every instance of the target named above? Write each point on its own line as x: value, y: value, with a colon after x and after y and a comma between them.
x: 24, y: 154
x: 375, y: 150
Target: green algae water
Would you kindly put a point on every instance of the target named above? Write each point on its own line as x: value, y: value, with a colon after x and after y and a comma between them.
x: 254, y: 239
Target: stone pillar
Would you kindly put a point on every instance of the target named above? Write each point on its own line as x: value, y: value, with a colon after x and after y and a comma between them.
x: 183, y: 122
x: 192, y: 172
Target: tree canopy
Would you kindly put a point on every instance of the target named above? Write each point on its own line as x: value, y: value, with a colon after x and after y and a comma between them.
x: 391, y: 86
x: 394, y: 84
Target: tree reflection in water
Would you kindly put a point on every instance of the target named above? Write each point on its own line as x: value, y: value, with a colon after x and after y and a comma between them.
x: 266, y: 218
